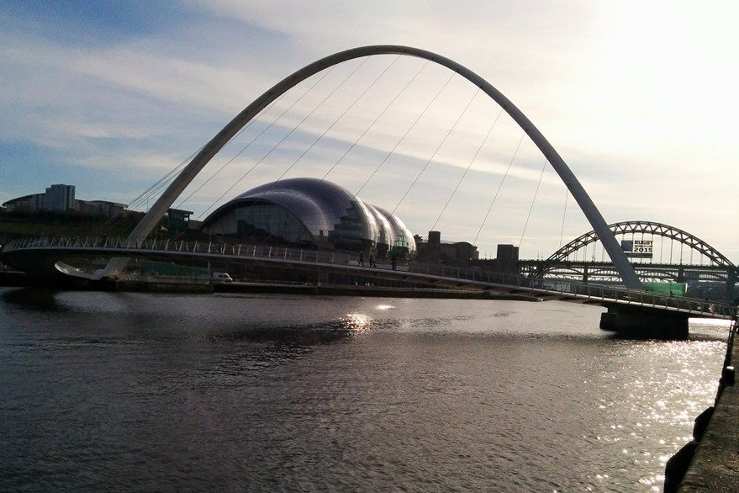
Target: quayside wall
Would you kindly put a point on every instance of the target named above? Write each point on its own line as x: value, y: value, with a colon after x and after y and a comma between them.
x: 710, y: 462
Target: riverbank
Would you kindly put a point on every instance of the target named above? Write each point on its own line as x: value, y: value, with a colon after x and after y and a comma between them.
x: 164, y: 285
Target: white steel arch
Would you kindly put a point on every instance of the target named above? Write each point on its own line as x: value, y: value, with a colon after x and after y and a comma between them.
x: 165, y: 201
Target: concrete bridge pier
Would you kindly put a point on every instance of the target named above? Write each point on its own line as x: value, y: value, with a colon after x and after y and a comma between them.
x: 731, y: 279
x: 644, y: 323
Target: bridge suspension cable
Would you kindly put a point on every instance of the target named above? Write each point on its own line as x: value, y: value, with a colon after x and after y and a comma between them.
x: 342, y: 115
x: 151, y: 192
x: 438, y: 148
x: 161, y: 182
x: 286, y: 136
x: 500, y: 187
x: 376, y: 119
x: 405, y: 134
x: 153, y: 187
x: 256, y: 137
x: 467, y: 169
x: 531, y: 207
x: 564, y: 215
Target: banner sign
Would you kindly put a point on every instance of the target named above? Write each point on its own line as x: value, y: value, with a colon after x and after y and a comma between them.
x: 637, y: 248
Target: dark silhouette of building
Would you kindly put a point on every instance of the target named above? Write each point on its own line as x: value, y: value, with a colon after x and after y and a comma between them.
x: 507, y: 258
x: 436, y: 251
x: 60, y: 199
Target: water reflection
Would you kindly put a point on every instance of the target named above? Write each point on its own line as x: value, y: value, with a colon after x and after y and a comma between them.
x: 357, y: 323
x: 303, y: 335
x: 281, y: 392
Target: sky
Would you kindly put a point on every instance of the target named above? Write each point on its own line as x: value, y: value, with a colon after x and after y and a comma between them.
x: 639, y: 98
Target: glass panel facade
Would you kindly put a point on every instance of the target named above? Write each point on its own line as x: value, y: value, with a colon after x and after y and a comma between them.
x: 268, y: 220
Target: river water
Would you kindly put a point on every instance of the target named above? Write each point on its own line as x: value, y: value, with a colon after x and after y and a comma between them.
x: 121, y: 391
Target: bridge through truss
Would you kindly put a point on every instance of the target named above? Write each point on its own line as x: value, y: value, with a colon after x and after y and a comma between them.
x: 693, y: 259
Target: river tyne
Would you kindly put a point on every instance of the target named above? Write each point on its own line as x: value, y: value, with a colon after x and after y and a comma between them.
x: 123, y: 391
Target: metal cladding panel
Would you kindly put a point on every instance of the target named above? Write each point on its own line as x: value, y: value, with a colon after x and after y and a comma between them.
x: 399, y: 230
x: 321, y: 205
x: 315, y: 217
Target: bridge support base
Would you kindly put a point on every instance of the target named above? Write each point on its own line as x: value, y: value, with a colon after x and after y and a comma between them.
x: 643, y: 323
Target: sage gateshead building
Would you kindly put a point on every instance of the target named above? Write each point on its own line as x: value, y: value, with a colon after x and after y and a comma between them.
x: 310, y: 213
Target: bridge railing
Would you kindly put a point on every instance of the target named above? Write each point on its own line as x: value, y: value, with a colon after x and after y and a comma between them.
x: 596, y: 292
x: 588, y: 290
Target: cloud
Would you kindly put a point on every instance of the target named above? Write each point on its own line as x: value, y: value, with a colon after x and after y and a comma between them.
x: 641, y: 110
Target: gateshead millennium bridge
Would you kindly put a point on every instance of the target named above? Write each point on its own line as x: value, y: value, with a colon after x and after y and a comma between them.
x: 202, y: 158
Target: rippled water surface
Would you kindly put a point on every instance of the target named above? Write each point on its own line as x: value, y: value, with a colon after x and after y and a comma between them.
x: 114, y: 391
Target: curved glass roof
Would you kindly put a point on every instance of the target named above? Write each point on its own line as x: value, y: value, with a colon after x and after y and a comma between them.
x: 325, y: 209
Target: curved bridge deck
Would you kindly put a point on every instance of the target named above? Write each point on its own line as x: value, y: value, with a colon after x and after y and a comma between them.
x: 26, y: 252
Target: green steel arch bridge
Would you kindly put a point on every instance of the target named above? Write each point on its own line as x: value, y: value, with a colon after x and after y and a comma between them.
x: 677, y: 256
